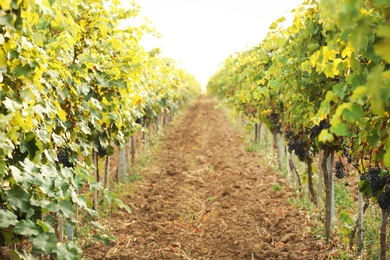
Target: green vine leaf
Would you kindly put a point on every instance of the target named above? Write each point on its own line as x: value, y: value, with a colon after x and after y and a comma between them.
x: 374, y: 86
x: 44, y: 242
x: 365, y: 189
x: 27, y: 228
x: 122, y: 205
x: 68, y: 251
x: 18, y: 198
x: 67, y: 208
x: 7, y: 219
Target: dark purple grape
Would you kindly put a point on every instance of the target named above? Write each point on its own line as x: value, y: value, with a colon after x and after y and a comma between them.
x: 383, y: 199
x: 288, y: 134
x: 101, y: 151
x: 63, y: 158
x: 299, y: 148
x: 340, y: 170
x: 363, y: 177
x: 377, y: 179
x: 316, y: 130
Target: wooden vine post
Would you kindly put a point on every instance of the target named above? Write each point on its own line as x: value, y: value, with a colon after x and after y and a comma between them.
x: 383, y: 234
x: 360, y: 241
x: 310, y: 184
x: 280, y: 145
x: 123, y: 163
x: 106, y: 179
x: 96, y: 177
x: 258, y: 133
x: 321, y: 181
x: 132, y: 151
x: 327, y: 170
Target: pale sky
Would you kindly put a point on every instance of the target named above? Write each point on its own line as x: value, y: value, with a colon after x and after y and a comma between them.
x: 201, y: 34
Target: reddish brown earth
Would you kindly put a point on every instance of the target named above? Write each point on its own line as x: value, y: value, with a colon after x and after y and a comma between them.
x: 204, y: 197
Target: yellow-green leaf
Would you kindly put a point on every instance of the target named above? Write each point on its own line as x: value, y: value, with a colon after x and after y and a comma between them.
x: 383, y: 50
x: 325, y: 136
x: 374, y: 85
x: 306, y: 66
x: 62, y: 115
x: 331, y: 96
x: 273, y: 26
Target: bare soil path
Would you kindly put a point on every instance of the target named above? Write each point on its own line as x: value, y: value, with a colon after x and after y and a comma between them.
x: 205, y: 197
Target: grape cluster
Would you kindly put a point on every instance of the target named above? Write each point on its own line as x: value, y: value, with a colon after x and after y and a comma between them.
x: 340, y: 170
x: 63, y: 158
x: 101, y: 151
x: 346, y: 153
x: 288, y: 134
x: 275, y: 120
x: 297, y: 145
x: 377, y: 179
x: 299, y: 148
x: 383, y: 198
x: 316, y: 130
x: 139, y: 120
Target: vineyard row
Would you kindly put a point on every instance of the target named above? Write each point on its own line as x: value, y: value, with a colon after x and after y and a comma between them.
x: 74, y: 84
x: 323, y: 82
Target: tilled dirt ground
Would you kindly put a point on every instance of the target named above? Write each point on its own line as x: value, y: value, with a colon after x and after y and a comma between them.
x: 204, y: 197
